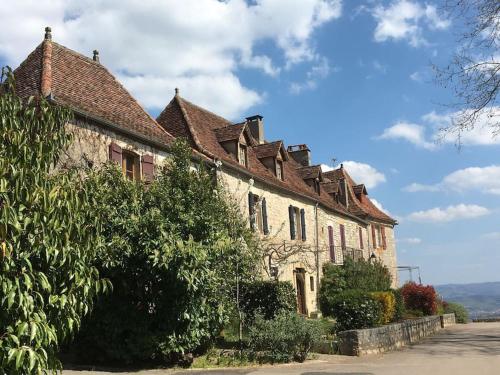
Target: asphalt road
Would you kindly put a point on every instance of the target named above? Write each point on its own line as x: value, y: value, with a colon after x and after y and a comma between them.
x: 472, y: 349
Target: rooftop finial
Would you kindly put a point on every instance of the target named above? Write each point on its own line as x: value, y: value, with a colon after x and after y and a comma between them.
x: 176, y: 91
x: 341, y: 166
x: 48, y: 33
x: 96, y: 56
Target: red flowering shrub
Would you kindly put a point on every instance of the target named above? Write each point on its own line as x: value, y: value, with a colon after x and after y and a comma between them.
x: 420, y: 298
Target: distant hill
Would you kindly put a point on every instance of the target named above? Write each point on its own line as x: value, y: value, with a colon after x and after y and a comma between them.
x: 480, y: 299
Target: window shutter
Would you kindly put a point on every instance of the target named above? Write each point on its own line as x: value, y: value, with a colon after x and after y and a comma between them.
x: 361, y: 239
x: 115, y: 153
x: 147, y: 168
x: 251, y: 210
x: 264, y: 217
x: 384, y: 243
x: 342, y: 236
x: 331, y: 244
x: 303, y: 223
x: 374, y: 237
x: 291, y: 215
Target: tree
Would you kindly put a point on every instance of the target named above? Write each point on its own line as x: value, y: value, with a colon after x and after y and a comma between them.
x: 47, y: 236
x: 175, y: 250
x: 474, y: 70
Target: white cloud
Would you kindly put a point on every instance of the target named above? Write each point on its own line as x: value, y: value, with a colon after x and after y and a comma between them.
x: 361, y: 173
x: 412, y: 133
x: 450, y: 213
x: 491, y: 236
x: 406, y: 20
x: 480, y: 135
x: 431, y: 134
x: 157, y: 45
x: 364, y: 173
x: 416, y: 76
x: 410, y: 240
x: 482, y: 179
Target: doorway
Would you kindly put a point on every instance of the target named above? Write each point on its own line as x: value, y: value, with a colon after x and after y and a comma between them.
x: 300, y: 282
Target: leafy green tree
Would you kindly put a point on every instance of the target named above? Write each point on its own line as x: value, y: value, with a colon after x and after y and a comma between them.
x: 174, y: 250
x: 47, y: 236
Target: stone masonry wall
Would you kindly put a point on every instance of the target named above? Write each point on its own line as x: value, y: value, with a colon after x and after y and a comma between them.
x: 381, y: 339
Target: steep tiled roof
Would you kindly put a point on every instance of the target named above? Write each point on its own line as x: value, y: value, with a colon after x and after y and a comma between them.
x: 230, y: 132
x: 270, y: 149
x: 363, y: 207
x: 330, y: 187
x: 184, y: 118
x: 308, y: 172
x: 86, y: 86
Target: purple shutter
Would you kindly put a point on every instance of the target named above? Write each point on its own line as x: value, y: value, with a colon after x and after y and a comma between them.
x: 330, y: 243
x: 115, y: 153
x: 342, y: 236
x: 147, y: 168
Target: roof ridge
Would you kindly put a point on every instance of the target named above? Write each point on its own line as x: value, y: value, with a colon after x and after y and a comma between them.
x: 204, y: 110
x: 191, y: 129
x: 26, y: 60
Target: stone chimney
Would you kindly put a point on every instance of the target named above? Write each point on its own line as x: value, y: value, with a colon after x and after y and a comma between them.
x: 46, y: 79
x: 256, y: 126
x: 301, y: 154
x: 96, y: 56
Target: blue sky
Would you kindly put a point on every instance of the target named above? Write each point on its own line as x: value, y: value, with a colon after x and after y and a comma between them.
x: 351, y: 79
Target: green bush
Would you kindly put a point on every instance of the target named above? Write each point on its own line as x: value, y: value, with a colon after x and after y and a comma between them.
x: 174, y: 250
x: 352, y: 309
x: 399, y: 305
x: 288, y: 336
x: 388, y: 304
x: 48, y: 237
x: 355, y: 275
x: 461, y: 313
x: 267, y: 298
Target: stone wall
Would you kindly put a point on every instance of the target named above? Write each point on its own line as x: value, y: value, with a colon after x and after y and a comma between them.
x: 447, y: 320
x: 392, y: 336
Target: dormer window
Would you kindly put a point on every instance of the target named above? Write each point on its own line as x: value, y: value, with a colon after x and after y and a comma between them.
x: 243, y: 155
x: 279, y: 169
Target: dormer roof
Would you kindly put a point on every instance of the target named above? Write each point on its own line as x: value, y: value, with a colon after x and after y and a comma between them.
x: 270, y: 149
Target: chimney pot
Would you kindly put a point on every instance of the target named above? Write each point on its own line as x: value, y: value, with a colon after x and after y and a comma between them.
x: 48, y: 33
x: 96, y: 56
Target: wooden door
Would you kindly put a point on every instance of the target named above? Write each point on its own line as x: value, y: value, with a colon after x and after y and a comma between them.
x: 301, y: 291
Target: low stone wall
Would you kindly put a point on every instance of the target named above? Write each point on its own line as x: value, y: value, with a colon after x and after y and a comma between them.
x: 447, y: 320
x: 392, y: 336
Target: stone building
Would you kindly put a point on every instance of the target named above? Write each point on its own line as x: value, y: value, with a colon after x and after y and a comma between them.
x: 305, y: 217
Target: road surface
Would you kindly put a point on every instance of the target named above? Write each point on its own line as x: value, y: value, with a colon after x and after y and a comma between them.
x: 472, y: 349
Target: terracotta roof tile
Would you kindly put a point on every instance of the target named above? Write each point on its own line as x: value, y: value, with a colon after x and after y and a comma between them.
x: 363, y: 207
x: 201, y: 125
x: 308, y: 172
x: 85, y: 85
x: 270, y: 149
x: 229, y: 133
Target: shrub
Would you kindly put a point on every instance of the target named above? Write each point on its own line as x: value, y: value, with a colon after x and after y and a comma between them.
x: 388, y: 304
x: 399, y: 305
x: 48, y: 237
x: 288, y: 336
x: 461, y: 313
x: 268, y: 298
x: 352, y: 309
x: 420, y: 298
x: 174, y: 249
x: 355, y: 275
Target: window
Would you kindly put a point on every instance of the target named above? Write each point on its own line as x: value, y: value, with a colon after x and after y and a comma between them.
x: 130, y: 165
x: 258, y: 213
x: 361, y: 246
x: 297, y: 223
x: 279, y: 169
x: 379, y: 236
x: 242, y: 156
x: 311, y: 282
